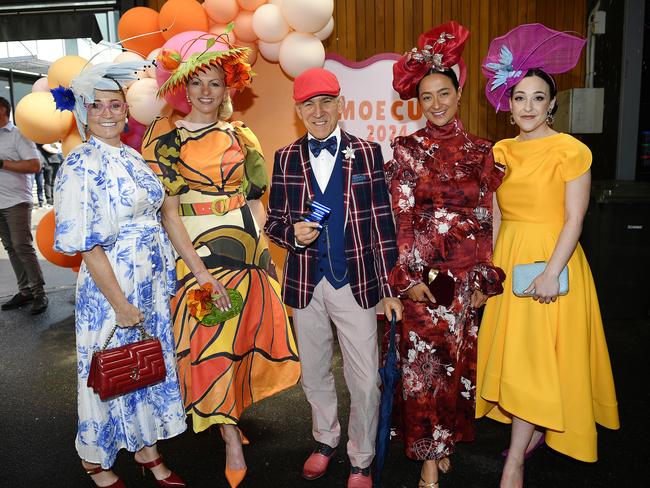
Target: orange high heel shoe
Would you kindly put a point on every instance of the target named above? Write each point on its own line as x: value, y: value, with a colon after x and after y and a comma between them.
x: 235, y: 476
x: 92, y: 471
x: 172, y: 481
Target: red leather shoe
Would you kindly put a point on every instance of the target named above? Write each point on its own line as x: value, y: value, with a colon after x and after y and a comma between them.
x: 172, y: 481
x: 360, y: 478
x: 317, y: 462
x: 118, y: 484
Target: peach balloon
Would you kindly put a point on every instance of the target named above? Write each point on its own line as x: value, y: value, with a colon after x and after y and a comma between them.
x: 45, y: 243
x: 300, y: 51
x: 221, y: 11
x: 41, y: 85
x: 269, y: 24
x: 244, y: 26
x: 151, y: 71
x: 269, y: 50
x: 252, y: 54
x: 69, y: 142
x: 182, y: 15
x: 144, y: 106
x: 64, y: 69
x: 307, y: 15
x: 250, y: 4
x: 40, y: 121
x: 219, y: 29
x: 326, y: 31
x: 137, y: 21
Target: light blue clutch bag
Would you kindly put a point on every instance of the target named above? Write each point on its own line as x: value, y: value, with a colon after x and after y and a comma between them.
x: 524, y: 274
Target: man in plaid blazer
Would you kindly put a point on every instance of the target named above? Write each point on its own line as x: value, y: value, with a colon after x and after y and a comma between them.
x: 337, y: 270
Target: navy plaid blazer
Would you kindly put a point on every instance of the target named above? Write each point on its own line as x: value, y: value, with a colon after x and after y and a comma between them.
x: 370, y: 245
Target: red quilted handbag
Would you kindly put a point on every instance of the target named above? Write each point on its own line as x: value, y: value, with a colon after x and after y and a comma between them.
x: 120, y: 370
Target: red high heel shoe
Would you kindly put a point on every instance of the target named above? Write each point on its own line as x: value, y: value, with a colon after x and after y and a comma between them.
x: 92, y: 471
x: 172, y: 481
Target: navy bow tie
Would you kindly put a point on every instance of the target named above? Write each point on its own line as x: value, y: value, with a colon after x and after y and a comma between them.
x: 316, y: 146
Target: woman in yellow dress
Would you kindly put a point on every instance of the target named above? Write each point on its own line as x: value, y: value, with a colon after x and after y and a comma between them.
x: 210, y: 168
x: 543, y: 362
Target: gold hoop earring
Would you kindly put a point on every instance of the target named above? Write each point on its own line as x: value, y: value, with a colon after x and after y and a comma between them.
x: 512, y: 120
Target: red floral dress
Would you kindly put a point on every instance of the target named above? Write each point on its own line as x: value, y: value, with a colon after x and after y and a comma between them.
x: 441, y: 181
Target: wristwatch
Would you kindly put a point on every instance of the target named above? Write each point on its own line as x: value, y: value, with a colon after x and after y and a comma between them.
x: 2, y: 163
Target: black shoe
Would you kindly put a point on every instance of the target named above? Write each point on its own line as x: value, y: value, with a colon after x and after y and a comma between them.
x: 39, y: 305
x: 18, y: 300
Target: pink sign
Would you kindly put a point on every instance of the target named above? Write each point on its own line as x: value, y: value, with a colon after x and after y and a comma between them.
x: 372, y: 109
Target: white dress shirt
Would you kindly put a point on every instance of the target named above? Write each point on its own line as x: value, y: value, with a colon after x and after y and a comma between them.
x: 15, y: 188
x: 323, y: 165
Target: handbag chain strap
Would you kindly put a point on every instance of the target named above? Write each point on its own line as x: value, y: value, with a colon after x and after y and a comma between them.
x: 143, y: 334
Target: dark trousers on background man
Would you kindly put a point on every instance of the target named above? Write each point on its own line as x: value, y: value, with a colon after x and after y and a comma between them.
x: 16, y: 236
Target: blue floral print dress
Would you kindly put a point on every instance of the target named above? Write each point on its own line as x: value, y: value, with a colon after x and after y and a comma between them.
x: 107, y: 196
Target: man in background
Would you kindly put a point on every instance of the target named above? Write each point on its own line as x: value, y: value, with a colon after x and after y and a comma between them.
x: 19, y: 160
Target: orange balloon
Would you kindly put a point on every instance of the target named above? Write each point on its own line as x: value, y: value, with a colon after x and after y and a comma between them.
x: 45, y: 243
x: 40, y: 121
x: 64, y: 69
x: 69, y: 142
x: 221, y: 11
x: 136, y: 21
x: 244, y: 26
x: 182, y: 15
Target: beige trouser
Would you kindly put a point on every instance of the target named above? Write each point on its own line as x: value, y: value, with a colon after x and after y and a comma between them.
x: 356, y: 328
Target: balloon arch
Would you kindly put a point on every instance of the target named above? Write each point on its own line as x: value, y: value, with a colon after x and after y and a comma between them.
x: 288, y: 32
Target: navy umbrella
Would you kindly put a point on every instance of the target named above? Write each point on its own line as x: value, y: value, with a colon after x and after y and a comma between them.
x: 390, y: 374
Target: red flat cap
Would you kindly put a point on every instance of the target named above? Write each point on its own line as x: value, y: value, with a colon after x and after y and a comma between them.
x: 314, y: 82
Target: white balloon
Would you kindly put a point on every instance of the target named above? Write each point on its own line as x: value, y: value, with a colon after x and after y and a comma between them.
x: 307, y: 15
x: 144, y: 106
x: 300, y: 51
x: 151, y: 71
x: 269, y: 50
x: 326, y: 31
x: 269, y: 24
x: 276, y: 2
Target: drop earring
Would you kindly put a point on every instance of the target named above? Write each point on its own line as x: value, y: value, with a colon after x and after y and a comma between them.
x: 550, y: 118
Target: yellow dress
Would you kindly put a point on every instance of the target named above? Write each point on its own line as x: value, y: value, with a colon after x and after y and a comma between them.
x: 545, y: 363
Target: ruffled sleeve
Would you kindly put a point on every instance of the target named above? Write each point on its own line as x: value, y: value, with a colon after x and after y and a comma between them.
x: 256, y: 178
x: 576, y: 159
x: 401, y: 178
x: 83, y: 206
x: 161, y: 150
x: 487, y: 277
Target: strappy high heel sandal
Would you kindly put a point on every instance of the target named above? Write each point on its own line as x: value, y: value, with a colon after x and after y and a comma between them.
x: 234, y: 476
x: 172, y: 481
x: 431, y: 484
x: 93, y: 471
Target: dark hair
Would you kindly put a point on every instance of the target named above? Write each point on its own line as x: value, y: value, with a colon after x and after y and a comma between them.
x: 4, y: 103
x: 550, y: 81
x: 449, y: 73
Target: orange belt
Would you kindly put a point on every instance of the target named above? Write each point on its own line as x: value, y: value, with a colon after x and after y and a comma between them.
x: 218, y: 206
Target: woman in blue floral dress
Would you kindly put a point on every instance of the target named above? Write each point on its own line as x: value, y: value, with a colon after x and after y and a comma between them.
x: 106, y: 203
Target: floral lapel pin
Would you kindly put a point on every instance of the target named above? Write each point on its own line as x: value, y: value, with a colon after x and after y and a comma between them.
x: 348, y: 152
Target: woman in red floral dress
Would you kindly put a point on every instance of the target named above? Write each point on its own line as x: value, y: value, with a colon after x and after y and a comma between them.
x: 441, y: 180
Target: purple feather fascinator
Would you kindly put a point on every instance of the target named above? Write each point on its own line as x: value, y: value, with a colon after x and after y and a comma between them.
x: 526, y: 47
